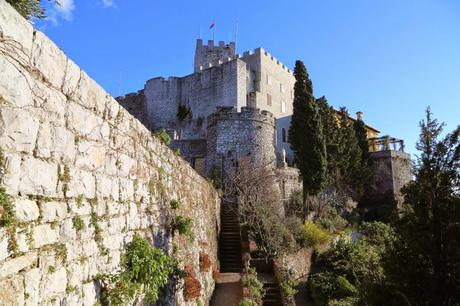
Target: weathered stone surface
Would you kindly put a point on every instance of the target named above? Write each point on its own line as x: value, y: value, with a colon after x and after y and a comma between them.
x: 12, y: 288
x: 86, y: 123
x: 44, y: 234
x: 107, y: 187
x: 64, y: 144
x: 26, y: 210
x: 12, y: 173
x: 18, y: 129
x: 53, y: 211
x: 32, y: 286
x: 48, y: 59
x: 70, y: 150
x: 17, y: 91
x: 3, y: 244
x: 91, y: 156
x: 15, y: 265
x: 89, y: 294
x: 53, y: 283
x: 38, y: 177
x: 81, y: 183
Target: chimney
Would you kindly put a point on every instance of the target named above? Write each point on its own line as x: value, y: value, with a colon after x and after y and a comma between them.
x: 359, y: 115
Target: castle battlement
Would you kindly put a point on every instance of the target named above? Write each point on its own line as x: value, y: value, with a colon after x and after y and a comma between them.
x: 246, y: 113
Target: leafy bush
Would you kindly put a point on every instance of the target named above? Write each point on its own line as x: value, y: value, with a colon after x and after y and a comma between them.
x: 352, y: 273
x: 163, y: 136
x: 314, y: 234
x: 288, y: 287
x: 255, y: 287
x: 184, y: 225
x: 146, y: 270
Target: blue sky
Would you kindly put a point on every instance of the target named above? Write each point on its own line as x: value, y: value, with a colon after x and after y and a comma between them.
x: 389, y: 59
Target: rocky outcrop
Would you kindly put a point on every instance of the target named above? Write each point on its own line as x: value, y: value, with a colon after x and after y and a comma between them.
x: 83, y: 177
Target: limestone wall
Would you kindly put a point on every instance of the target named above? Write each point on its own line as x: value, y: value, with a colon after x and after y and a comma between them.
x: 73, y: 154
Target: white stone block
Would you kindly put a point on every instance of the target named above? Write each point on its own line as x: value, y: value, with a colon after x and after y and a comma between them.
x: 87, y: 124
x: 67, y: 232
x: 53, y: 283
x: 44, y: 234
x: 26, y: 210
x: 81, y: 182
x: 38, y: 177
x: 126, y: 189
x: 71, y: 79
x: 89, y: 294
x: 32, y: 286
x: 18, y: 130
x: 91, y: 156
x: 126, y: 166
x: 12, y: 173
x: 4, y: 253
x: 53, y: 211
x: 14, y: 89
x: 90, y: 248
x: 48, y: 59
x: 15, y: 265
x: 44, y: 141
x: 107, y: 187
x: 64, y: 144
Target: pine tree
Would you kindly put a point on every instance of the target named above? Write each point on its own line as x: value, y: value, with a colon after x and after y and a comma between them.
x: 425, y: 265
x: 352, y: 171
x: 306, y: 135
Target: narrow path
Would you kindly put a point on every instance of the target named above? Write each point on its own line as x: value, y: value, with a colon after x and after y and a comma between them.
x: 228, y: 290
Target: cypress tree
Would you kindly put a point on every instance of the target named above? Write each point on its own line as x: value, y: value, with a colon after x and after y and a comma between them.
x: 361, y: 135
x: 306, y: 135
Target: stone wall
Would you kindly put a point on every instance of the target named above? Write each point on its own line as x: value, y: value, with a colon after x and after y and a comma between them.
x: 75, y: 161
x: 289, y: 180
x: 391, y: 172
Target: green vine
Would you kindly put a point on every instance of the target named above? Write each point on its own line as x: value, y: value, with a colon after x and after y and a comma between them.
x: 184, y: 225
x: 7, y: 215
x: 163, y: 136
x: 145, y: 271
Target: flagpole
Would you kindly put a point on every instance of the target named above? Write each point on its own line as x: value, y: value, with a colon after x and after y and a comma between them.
x: 236, y: 33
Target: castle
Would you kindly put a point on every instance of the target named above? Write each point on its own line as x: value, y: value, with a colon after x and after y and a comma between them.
x: 230, y: 107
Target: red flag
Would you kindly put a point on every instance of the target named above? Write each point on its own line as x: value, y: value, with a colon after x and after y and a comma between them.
x: 213, y: 24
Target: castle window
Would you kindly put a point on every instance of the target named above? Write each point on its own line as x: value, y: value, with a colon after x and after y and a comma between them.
x: 283, y: 106
x: 283, y: 135
x: 281, y: 88
x: 269, y: 80
x: 269, y: 100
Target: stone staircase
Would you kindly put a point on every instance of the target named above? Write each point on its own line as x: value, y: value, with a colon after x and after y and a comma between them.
x: 272, y: 294
x: 265, y: 274
x: 230, y: 239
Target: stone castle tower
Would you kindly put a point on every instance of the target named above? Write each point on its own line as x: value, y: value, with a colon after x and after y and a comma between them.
x: 238, y: 105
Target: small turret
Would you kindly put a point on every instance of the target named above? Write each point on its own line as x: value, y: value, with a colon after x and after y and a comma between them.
x: 209, y: 55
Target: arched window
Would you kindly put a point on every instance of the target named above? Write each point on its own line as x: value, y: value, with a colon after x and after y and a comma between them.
x: 283, y: 135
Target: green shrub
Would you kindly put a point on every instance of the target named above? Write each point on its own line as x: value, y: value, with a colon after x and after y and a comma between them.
x: 248, y: 302
x: 184, y: 225
x: 163, y: 136
x: 254, y: 286
x: 314, y: 234
x: 288, y: 287
x: 146, y: 270
x: 7, y: 214
x: 78, y: 223
x: 175, y: 204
